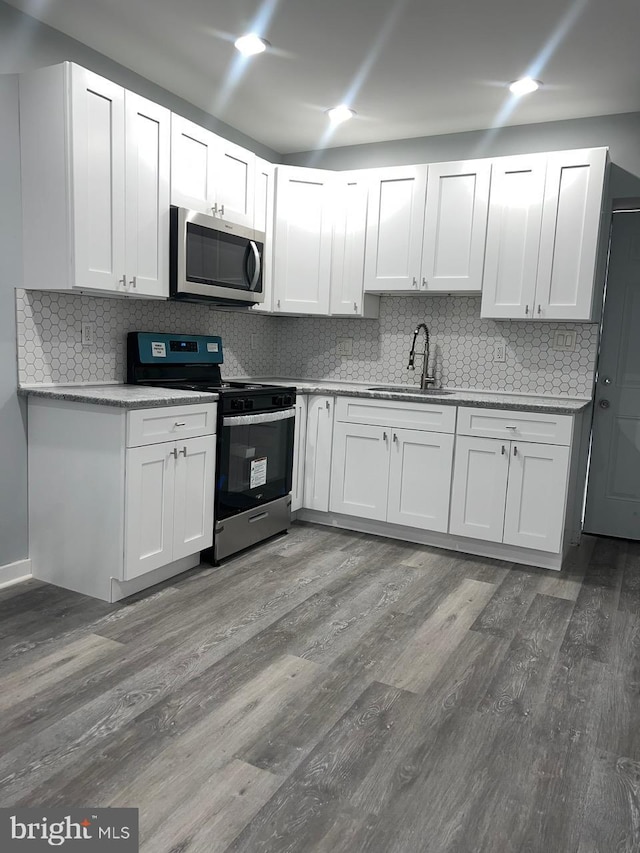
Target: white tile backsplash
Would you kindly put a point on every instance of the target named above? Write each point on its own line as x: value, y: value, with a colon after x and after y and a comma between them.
x: 462, y: 344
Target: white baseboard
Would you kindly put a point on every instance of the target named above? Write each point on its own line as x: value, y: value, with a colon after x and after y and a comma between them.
x: 15, y: 572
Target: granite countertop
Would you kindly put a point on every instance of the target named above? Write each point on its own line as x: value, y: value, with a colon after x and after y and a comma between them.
x: 123, y: 396
x: 140, y: 396
x: 454, y: 397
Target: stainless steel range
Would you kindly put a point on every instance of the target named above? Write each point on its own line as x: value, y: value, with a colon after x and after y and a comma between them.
x: 255, y: 432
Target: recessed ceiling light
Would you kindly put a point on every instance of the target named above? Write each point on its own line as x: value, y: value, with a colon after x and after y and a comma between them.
x: 340, y: 113
x: 251, y: 44
x: 524, y: 86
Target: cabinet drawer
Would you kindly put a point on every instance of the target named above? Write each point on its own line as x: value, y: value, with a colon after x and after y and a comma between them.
x: 151, y: 426
x: 432, y: 417
x: 538, y: 427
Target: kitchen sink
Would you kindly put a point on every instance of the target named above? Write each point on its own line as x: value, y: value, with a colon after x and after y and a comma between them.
x: 409, y: 389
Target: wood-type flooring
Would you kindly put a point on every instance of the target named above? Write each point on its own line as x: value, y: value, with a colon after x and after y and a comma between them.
x: 335, y: 692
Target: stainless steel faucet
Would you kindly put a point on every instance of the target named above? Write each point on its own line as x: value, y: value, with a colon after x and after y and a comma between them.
x: 425, y: 379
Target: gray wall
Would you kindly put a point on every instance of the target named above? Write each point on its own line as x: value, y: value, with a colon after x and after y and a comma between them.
x: 621, y: 133
x: 25, y: 43
x: 14, y: 543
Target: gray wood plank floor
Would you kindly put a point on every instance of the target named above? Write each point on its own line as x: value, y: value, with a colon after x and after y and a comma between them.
x: 332, y: 692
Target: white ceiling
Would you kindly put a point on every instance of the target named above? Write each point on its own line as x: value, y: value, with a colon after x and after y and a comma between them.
x: 408, y: 67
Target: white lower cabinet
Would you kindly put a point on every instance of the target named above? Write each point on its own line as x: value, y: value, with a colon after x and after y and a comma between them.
x: 512, y: 492
x: 317, y: 464
x: 299, y: 445
x: 385, y: 473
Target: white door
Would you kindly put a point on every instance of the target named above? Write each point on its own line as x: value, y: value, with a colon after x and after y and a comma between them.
x: 479, y: 488
x: 319, y: 440
x: 193, y: 163
x: 513, y: 236
x: 347, y: 253
x: 235, y: 179
x: 613, y: 493
x: 360, y: 470
x: 194, y: 487
x: 569, y: 240
x: 299, y: 444
x: 536, y: 496
x: 302, y: 240
x: 455, y: 226
x: 263, y: 221
x: 420, y: 479
x: 97, y: 143
x: 149, y: 494
x: 394, y: 229
x: 147, y: 159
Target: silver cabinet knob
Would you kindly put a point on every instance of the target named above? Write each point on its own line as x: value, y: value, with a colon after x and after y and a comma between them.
x: 606, y: 381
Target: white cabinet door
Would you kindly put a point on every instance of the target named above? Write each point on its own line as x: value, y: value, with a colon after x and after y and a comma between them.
x: 97, y: 140
x: 299, y: 445
x: 302, y: 241
x: 319, y: 440
x: 570, y: 234
x: 479, y: 488
x: 536, y: 496
x: 234, y: 179
x: 263, y: 221
x: 193, y: 164
x: 347, y: 253
x: 193, y: 502
x: 360, y: 470
x: 147, y: 162
x: 149, y: 500
x: 513, y: 236
x: 420, y: 479
x: 395, y: 228
x: 455, y: 226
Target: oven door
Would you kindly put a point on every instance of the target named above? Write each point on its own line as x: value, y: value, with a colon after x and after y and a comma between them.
x: 255, y: 460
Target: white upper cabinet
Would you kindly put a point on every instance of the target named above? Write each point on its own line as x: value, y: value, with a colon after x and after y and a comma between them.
x: 302, y: 240
x: 263, y: 221
x: 95, y: 184
x: 543, y: 236
x: 569, y: 241
x: 210, y: 174
x: 347, y: 250
x: 455, y: 226
x: 395, y: 229
x: 513, y: 236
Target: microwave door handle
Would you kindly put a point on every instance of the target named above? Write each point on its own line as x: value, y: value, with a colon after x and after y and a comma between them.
x: 256, y: 257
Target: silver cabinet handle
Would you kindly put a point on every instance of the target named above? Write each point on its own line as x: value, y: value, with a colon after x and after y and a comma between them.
x: 384, y: 436
x: 424, y: 283
x: 214, y: 209
x: 184, y: 450
x: 503, y: 450
x: 395, y: 437
x: 222, y: 210
x: 539, y: 309
x: 507, y: 426
x: 515, y: 449
x: 180, y: 423
x: 415, y: 282
x: 123, y: 281
x: 174, y: 453
x: 327, y: 404
x: 134, y: 281
x: 278, y: 303
x: 526, y: 309
x: 355, y: 306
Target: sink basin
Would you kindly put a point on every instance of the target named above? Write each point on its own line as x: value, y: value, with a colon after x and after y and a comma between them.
x: 409, y: 389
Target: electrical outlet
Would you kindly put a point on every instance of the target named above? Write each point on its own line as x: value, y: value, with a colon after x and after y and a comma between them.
x: 344, y: 346
x: 500, y: 351
x: 564, y: 340
x: 88, y: 334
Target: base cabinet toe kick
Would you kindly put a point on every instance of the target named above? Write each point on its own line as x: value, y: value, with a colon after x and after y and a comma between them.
x: 493, y: 482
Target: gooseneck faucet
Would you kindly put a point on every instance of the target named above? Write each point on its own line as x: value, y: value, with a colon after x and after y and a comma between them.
x: 425, y: 379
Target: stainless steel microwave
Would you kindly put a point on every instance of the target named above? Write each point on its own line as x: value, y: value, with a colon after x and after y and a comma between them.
x: 214, y: 260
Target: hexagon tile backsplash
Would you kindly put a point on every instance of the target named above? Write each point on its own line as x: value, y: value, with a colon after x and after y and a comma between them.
x: 462, y: 344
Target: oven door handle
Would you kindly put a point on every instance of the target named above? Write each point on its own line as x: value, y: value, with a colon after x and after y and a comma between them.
x: 252, y: 247
x: 262, y: 418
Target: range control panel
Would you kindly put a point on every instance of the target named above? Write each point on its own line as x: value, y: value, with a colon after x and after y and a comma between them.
x: 160, y: 348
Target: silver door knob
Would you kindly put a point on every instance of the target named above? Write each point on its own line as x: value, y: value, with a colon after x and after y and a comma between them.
x: 604, y: 404
x: 606, y: 381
